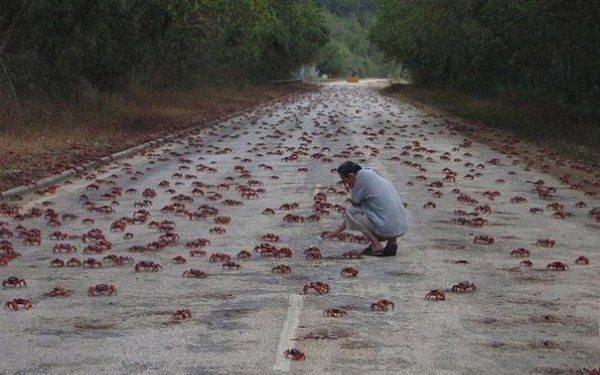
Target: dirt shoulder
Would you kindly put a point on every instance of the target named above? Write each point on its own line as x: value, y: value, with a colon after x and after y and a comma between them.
x: 44, y: 138
x: 544, y: 155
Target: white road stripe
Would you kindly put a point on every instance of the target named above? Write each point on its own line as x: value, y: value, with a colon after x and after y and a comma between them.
x: 288, y: 333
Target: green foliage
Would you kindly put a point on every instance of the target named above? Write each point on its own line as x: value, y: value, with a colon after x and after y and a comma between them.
x: 546, y: 48
x: 335, y: 58
x: 349, y: 50
x: 348, y: 8
x: 57, y: 46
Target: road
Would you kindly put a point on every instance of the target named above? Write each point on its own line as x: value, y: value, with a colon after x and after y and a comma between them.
x: 520, y: 319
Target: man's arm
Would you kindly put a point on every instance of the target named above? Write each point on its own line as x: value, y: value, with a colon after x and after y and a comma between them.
x: 359, y: 192
x: 337, y: 231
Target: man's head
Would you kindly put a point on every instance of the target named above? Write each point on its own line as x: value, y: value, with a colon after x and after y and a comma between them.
x: 348, y: 171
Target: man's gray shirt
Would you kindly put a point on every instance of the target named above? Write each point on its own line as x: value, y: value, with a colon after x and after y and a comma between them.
x: 381, y: 203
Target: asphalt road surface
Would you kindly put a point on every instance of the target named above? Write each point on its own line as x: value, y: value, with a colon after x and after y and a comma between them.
x: 520, y: 319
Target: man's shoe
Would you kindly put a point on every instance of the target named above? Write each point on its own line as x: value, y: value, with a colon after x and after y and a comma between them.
x: 389, y: 250
x: 369, y: 252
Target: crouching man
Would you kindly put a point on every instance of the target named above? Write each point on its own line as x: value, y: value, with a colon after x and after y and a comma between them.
x: 376, y: 209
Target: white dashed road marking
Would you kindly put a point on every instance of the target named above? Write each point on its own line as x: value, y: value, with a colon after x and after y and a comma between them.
x: 288, y: 332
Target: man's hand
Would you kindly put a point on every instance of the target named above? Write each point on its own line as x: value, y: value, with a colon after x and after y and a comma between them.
x: 328, y: 235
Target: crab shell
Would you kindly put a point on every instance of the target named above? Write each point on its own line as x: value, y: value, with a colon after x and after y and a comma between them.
x: 294, y: 354
x: 383, y: 305
x: 334, y: 313
x: 436, y: 295
x: 106, y: 289
x: 195, y: 273
x: 349, y: 272
x: 14, y: 303
x: 182, y: 314
x: 282, y: 268
x: 14, y: 281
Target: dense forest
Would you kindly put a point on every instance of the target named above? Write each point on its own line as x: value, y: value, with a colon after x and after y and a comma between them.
x: 349, y: 49
x: 549, y: 49
x: 58, y: 47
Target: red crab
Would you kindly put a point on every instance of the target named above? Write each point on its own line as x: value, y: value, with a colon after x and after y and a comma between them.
x: 281, y: 269
x: 429, y: 205
x: 219, y: 257
x: 181, y: 314
x: 118, y: 226
x: 92, y: 263
x: 66, y: 247
x: 317, y: 286
x: 103, y: 289
x: 582, y: 260
x: 59, y: 292
x: 217, y: 230
x: 284, y: 252
x: 118, y: 260
x: 244, y: 254
x: 545, y: 242
x: 231, y: 202
x: 231, y: 265
x: 349, y: 272
x: 293, y: 218
x: 312, y: 253
x: 15, y: 303
x: 518, y: 199
x: 195, y: 273
x: 294, y: 354
x: 289, y: 206
x: 58, y: 236
x: 383, y: 305
x: 149, y: 193
x: 57, y: 263
x: 557, y: 266
x: 200, y: 242
x: 222, y: 220
x: 520, y: 253
x: 436, y: 295
x: 197, y: 252
x: 484, y: 239
x: 270, y: 237
x: 485, y: 209
x: 13, y: 282
x: 526, y: 263
x: 266, y: 249
x: 464, y: 287
x: 179, y: 260
x: 334, y: 313
x: 74, y: 262
x: 147, y: 265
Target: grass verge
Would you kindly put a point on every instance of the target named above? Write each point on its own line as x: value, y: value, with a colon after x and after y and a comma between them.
x: 546, y: 125
x: 40, y: 138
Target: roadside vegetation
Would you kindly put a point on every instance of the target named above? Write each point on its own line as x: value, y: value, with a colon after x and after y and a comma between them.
x: 573, y: 136
x: 532, y: 67
x: 82, y: 78
x: 60, y: 47
x: 47, y: 137
x: 349, y: 49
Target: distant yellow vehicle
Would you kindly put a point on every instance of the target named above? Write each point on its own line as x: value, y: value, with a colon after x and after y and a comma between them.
x: 352, y: 79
